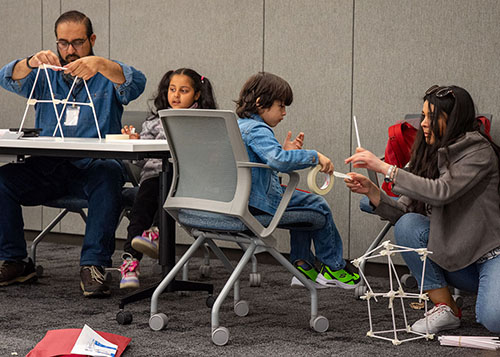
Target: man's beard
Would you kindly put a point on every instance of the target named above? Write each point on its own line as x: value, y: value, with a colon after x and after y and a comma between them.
x: 70, y: 58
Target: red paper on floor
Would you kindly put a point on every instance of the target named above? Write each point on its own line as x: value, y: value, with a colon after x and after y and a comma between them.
x: 60, y: 343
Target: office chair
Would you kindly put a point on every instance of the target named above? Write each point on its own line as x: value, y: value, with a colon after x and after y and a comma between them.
x: 209, y: 199
x: 69, y: 204
x: 407, y: 279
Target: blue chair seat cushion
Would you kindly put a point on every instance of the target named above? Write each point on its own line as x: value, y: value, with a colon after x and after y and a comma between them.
x: 74, y: 204
x: 297, y: 220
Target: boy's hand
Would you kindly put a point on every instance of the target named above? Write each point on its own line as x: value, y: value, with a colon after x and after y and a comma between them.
x: 130, y: 131
x: 295, y: 144
x: 326, y: 164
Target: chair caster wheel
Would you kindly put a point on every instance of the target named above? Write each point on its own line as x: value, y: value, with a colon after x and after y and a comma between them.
x: 220, y: 336
x: 124, y: 317
x: 39, y: 271
x: 241, y: 308
x: 205, y: 271
x: 360, y: 291
x: 319, y: 324
x: 210, y: 301
x: 254, y: 279
x: 409, y: 281
x: 183, y: 293
x: 459, y: 300
x: 158, y: 322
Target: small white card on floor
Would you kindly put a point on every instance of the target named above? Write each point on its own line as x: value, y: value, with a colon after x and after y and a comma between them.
x: 90, y: 343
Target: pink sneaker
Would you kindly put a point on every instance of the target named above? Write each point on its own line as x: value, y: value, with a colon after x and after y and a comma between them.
x: 130, y: 272
x: 148, y: 242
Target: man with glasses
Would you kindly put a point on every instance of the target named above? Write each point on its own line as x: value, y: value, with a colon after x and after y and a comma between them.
x: 111, y: 84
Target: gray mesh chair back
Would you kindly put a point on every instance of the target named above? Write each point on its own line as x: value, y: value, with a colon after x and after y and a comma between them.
x: 209, y: 198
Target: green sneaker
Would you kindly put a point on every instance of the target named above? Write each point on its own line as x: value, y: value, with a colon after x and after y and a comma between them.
x: 342, y: 278
x: 310, y: 273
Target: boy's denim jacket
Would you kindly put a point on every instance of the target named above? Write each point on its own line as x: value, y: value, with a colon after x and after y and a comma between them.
x: 263, y: 147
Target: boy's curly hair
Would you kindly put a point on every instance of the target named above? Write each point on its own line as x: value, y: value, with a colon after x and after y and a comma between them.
x: 266, y: 87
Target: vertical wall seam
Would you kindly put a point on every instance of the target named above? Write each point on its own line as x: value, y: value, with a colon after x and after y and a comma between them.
x: 263, y: 31
x: 109, y: 29
x: 351, y: 126
x: 41, y: 25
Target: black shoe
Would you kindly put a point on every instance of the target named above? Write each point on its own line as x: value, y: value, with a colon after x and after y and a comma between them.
x: 93, y: 282
x: 17, y: 271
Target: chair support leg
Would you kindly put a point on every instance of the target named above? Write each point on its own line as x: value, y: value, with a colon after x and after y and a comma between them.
x: 307, y: 283
x: 43, y: 233
x: 230, y: 282
x: 227, y: 264
x: 171, y: 275
x: 222, y: 257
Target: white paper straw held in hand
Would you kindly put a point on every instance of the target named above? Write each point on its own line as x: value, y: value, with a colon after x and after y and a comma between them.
x: 356, y: 129
x: 357, y: 136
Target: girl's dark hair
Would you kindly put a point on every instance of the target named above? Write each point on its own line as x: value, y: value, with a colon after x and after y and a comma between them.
x: 200, y: 84
x: 266, y: 87
x: 457, y: 107
x: 75, y: 16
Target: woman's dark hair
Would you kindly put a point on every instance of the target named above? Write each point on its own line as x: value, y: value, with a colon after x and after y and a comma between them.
x: 200, y: 84
x: 75, y: 16
x: 457, y: 107
x: 266, y: 87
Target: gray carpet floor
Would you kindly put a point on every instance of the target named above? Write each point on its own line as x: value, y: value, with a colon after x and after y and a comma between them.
x: 277, y: 325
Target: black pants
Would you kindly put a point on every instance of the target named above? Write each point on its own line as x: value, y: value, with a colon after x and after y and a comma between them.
x: 144, y: 212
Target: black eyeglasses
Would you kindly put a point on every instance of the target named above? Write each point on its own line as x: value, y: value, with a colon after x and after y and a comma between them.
x: 440, y: 91
x: 77, y: 44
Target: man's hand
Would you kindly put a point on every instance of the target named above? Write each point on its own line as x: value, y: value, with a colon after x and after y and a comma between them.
x: 44, y: 57
x: 85, y: 67
x: 295, y: 144
x: 21, y: 70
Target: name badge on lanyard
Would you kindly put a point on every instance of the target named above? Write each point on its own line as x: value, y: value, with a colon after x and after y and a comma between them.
x: 72, y: 114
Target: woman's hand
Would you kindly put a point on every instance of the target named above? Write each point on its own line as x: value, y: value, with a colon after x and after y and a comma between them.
x: 130, y: 131
x: 363, y: 185
x: 295, y: 144
x: 367, y: 160
x: 326, y: 164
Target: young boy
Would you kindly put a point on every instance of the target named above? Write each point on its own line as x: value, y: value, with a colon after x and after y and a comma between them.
x: 261, y: 106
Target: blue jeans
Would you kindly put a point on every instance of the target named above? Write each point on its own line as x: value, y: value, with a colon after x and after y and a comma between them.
x: 327, y: 241
x: 41, y: 179
x: 412, y: 230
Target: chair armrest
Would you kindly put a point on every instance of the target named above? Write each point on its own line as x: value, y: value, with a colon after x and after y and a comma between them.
x: 252, y: 164
x: 285, y: 200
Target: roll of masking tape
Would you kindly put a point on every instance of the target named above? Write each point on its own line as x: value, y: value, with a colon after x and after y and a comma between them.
x: 311, y: 181
x: 117, y: 137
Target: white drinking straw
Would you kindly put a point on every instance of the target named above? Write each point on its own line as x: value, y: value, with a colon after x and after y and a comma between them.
x: 357, y: 132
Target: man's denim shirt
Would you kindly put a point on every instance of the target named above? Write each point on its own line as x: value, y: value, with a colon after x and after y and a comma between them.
x: 263, y: 147
x: 108, y: 99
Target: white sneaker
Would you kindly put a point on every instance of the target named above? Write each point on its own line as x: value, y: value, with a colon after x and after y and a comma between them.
x: 439, y: 318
